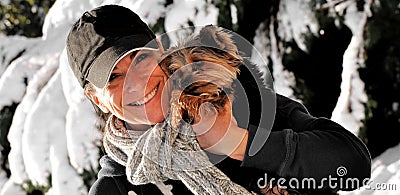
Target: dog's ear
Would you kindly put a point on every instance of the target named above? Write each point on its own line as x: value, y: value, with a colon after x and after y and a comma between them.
x: 213, y: 36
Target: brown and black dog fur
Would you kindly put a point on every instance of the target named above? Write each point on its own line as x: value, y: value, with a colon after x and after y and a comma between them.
x: 200, y: 70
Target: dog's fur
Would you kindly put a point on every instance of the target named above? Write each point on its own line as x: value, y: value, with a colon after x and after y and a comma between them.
x: 201, y: 69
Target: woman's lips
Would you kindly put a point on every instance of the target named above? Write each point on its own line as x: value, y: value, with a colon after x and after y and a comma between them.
x: 147, y: 98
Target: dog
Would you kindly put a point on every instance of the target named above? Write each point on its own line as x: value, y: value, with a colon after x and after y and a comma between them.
x: 201, y: 70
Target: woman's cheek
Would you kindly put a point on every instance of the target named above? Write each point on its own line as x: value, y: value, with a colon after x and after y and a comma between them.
x: 116, y: 101
x: 115, y: 95
x: 109, y: 98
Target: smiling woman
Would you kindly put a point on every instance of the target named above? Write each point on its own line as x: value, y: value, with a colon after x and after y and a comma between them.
x: 139, y: 101
x: 143, y: 89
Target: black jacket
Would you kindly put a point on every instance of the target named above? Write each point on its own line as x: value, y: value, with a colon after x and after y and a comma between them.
x: 299, y: 146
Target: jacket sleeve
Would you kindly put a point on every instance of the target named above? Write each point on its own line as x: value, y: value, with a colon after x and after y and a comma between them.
x: 302, y: 146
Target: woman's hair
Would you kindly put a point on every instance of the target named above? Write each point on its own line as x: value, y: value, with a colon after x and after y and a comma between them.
x: 89, y: 88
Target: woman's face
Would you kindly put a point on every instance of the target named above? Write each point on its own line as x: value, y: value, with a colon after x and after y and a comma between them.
x: 134, y: 90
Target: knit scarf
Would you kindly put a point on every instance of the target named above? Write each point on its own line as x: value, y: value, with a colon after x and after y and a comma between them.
x: 162, y: 153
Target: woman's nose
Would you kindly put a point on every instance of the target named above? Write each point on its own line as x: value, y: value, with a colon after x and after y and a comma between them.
x: 133, y: 83
x: 136, y: 81
x: 130, y: 88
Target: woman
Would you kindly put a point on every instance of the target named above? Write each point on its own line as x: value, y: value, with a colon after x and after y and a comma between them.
x: 103, y: 44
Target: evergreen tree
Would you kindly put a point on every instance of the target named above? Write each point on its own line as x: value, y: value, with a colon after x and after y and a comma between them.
x: 381, y: 75
x: 23, y: 17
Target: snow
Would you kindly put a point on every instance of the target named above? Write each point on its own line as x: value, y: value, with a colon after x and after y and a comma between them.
x: 38, y: 81
x: 37, y: 137
x: 234, y: 14
x: 182, y: 11
x: 3, y: 178
x: 10, y: 187
x: 71, y: 10
x: 44, y: 142
x: 261, y: 51
x: 40, y: 146
x: 14, y: 78
x: 149, y: 11
x: 296, y: 19
x: 5, y: 2
x: 264, y: 47
x: 349, y: 110
x: 395, y: 106
x: 284, y: 80
x: 81, y: 122
x: 10, y: 47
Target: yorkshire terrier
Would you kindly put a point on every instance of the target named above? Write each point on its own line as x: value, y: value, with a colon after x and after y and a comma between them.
x: 201, y: 70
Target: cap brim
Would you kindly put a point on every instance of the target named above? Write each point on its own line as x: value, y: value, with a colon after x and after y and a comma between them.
x: 102, y: 67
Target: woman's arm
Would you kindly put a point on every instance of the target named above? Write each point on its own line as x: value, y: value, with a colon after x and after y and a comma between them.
x: 302, y: 146
x: 299, y: 145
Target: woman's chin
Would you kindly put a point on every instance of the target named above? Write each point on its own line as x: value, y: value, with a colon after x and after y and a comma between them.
x: 155, y: 118
x: 154, y: 112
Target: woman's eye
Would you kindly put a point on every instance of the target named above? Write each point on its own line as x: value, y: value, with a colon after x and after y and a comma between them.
x: 141, y: 57
x: 113, y: 76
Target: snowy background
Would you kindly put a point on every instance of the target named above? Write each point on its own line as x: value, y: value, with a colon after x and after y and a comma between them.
x: 53, y: 135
